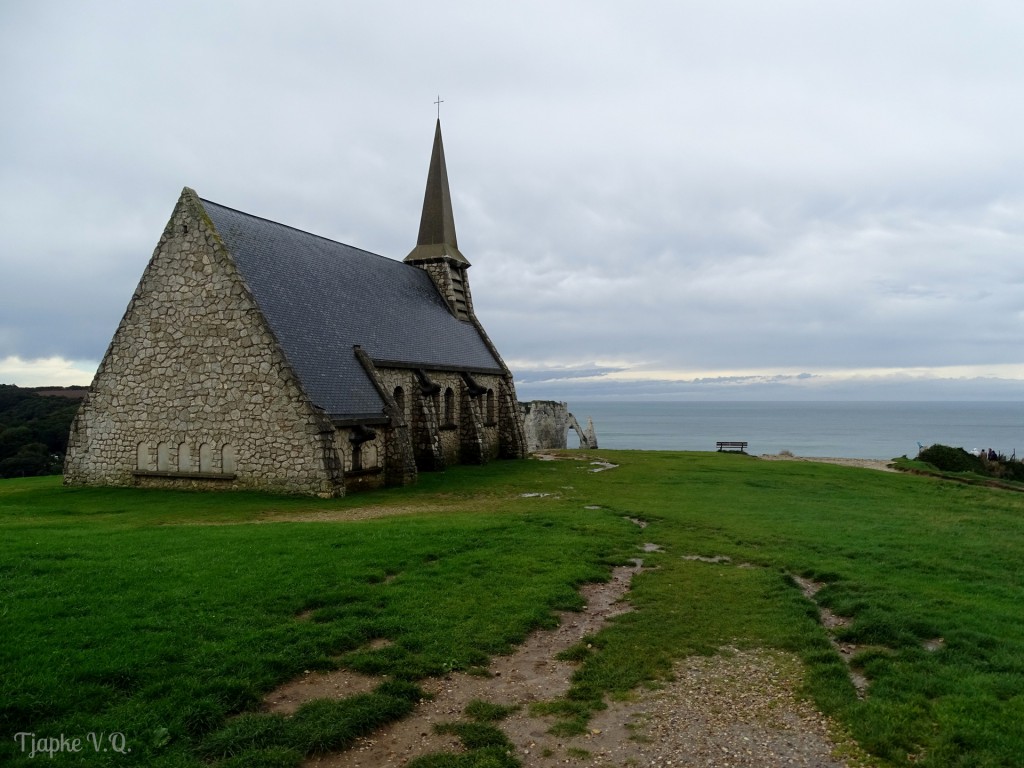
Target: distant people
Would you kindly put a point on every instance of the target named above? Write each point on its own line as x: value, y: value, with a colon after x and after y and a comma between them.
x: 992, y: 455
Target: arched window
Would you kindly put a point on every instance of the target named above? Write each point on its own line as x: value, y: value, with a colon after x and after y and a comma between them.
x: 449, y: 406
x: 142, y: 457
x: 491, y: 415
x: 363, y: 451
x: 400, y: 400
x: 227, y: 460
x: 184, y: 458
x: 163, y: 457
x: 206, y: 458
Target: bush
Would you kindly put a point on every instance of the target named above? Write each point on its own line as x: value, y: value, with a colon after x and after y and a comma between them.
x: 33, y: 431
x: 1014, y: 470
x: 30, y: 466
x: 946, y: 459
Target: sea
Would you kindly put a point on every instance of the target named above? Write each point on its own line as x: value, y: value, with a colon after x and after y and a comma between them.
x: 861, y: 430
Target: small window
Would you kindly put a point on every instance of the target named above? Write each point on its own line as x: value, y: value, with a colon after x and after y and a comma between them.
x: 206, y: 458
x: 142, y: 458
x: 357, y: 457
x: 400, y: 400
x: 227, y: 459
x: 184, y: 458
x: 163, y: 457
x: 449, y: 406
x: 491, y: 415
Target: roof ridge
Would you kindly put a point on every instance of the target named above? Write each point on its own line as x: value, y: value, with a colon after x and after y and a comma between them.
x: 300, y: 231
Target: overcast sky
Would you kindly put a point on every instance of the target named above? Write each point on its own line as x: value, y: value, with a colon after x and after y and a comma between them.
x: 729, y: 199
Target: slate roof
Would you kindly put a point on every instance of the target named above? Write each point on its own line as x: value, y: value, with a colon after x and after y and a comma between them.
x: 321, y: 297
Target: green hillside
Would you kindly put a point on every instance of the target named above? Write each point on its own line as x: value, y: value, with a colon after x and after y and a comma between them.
x: 161, y: 615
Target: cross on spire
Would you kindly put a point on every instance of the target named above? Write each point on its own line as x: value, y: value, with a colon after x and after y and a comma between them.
x: 439, y: 102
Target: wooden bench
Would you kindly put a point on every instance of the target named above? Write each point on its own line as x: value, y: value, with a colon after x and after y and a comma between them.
x: 732, y: 445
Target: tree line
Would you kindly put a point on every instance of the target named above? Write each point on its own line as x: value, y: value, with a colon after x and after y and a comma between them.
x: 34, y: 427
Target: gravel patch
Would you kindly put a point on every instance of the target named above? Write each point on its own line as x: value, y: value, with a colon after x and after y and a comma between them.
x: 879, y: 464
x: 738, y: 708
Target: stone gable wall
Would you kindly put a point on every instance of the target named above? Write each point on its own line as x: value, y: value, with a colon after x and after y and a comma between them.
x: 192, y: 364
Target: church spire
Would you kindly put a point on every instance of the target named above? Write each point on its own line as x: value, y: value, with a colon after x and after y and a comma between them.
x: 437, y: 223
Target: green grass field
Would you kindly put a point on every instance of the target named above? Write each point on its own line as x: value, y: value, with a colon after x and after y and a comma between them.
x: 155, y: 621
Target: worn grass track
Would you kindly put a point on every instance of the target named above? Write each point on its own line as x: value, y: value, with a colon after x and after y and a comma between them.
x: 120, y: 615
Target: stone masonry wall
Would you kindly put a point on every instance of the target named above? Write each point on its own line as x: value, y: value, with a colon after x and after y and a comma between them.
x: 193, y: 390
x: 440, y: 272
x: 429, y: 421
x: 512, y: 434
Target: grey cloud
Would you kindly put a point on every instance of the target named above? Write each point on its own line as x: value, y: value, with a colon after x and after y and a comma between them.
x: 728, y: 186
x: 544, y: 375
x: 779, y: 388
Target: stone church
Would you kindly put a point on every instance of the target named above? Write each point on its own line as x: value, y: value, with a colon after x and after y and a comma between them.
x: 255, y: 355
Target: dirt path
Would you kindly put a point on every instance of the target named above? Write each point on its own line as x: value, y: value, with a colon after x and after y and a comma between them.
x: 736, y: 708
x: 530, y: 674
